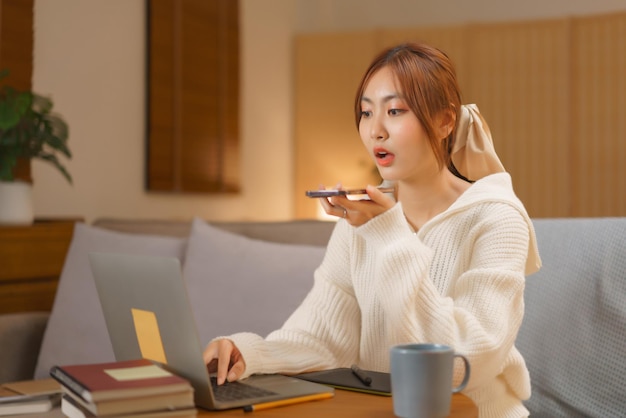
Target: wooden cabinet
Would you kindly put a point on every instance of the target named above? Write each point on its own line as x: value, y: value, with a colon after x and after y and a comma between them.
x: 31, y: 260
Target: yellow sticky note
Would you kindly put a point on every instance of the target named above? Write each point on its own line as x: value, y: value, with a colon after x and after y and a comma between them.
x: 136, y: 373
x: 148, y: 335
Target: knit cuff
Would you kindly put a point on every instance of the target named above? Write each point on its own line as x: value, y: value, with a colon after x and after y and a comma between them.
x: 386, y: 228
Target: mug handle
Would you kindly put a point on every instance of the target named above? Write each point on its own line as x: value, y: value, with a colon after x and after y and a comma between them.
x: 467, y: 374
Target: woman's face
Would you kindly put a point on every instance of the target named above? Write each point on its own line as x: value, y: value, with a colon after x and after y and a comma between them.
x: 392, y: 134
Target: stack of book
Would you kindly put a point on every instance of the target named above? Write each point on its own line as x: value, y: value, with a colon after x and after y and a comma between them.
x: 135, y: 388
x: 29, y: 397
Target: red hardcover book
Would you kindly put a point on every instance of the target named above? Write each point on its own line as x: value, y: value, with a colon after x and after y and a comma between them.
x: 118, y: 380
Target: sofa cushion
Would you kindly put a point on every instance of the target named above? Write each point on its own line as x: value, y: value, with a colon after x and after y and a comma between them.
x: 574, y: 330
x: 76, y: 331
x: 238, y: 284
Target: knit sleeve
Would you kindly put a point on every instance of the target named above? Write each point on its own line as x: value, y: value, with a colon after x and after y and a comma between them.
x: 458, y: 283
x: 323, y: 332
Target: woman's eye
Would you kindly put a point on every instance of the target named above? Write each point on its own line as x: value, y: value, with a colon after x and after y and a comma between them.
x: 395, y: 112
x: 365, y: 113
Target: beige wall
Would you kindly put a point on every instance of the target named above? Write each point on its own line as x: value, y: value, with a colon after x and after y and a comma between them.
x: 88, y: 56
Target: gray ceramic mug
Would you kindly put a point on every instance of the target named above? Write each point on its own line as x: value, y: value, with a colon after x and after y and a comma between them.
x: 421, y: 379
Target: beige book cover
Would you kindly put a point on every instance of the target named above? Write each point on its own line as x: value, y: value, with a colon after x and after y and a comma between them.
x: 29, y: 396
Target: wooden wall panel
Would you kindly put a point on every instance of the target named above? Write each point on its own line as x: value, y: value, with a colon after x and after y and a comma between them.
x: 193, y: 96
x: 599, y: 116
x: 552, y: 91
x: 518, y: 77
x: 328, y: 147
x: 451, y: 40
x: 163, y: 153
x: 16, y: 42
x: 16, y: 56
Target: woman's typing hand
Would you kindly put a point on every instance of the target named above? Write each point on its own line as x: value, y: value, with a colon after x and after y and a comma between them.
x: 223, y: 357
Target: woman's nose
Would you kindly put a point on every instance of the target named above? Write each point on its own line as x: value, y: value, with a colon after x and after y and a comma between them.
x: 378, y: 130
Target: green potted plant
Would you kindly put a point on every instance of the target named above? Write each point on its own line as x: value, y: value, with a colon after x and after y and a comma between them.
x: 28, y: 129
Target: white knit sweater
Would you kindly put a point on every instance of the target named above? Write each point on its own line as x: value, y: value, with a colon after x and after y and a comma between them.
x: 458, y: 281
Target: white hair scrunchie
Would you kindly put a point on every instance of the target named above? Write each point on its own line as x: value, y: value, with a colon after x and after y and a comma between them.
x: 473, y: 153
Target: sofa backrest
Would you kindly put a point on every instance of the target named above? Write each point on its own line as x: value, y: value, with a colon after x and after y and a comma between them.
x: 574, y: 332
x: 307, y: 231
x: 573, y: 336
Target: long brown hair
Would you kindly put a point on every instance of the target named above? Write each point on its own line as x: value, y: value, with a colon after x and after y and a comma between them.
x: 427, y: 79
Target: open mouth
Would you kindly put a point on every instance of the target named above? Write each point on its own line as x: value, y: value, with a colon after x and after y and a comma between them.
x: 383, y: 157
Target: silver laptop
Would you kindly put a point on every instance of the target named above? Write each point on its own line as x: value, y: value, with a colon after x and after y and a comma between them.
x: 148, y: 314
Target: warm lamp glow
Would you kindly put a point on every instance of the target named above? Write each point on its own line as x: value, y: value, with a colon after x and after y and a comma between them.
x: 323, y: 216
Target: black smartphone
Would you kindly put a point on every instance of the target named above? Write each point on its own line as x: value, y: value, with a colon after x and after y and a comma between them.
x: 335, y: 192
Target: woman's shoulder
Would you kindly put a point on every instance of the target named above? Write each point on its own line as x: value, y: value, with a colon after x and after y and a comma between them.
x: 499, y: 213
x: 491, y: 193
x: 490, y: 202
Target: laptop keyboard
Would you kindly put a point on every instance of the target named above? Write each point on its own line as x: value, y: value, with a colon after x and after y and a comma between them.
x: 233, y: 391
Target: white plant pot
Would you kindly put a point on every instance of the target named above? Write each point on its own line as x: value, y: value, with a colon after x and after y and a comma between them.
x: 16, y: 203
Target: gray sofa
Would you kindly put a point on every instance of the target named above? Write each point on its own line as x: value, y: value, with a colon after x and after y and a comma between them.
x: 573, y: 336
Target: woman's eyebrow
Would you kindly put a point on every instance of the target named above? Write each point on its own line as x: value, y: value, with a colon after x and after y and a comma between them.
x: 385, y: 99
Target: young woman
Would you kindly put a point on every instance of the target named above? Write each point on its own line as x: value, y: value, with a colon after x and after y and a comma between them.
x: 443, y: 260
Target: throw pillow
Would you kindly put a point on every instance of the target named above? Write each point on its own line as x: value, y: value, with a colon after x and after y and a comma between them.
x: 238, y: 284
x: 76, y: 331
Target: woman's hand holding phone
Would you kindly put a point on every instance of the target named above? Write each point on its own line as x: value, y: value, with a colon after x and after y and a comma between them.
x: 343, y: 192
x: 357, y: 211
